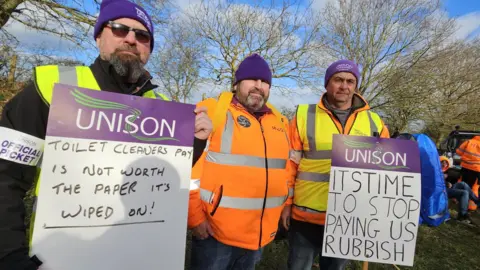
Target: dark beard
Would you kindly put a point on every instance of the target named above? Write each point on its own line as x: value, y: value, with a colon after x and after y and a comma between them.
x: 128, y: 66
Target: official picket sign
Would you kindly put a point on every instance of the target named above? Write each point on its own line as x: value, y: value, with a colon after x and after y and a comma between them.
x: 113, y: 191
x: 374, y: 200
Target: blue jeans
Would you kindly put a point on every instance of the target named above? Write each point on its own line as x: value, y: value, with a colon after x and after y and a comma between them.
x: 302, y: 253
x: 210, y: 254
x: 463, y: 193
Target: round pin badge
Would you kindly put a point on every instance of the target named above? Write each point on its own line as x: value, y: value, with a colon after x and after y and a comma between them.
x: 243, y: 121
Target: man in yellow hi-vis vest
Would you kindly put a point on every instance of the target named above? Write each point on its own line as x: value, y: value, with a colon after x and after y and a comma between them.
x: 341, y: 110
x: 124, y: 37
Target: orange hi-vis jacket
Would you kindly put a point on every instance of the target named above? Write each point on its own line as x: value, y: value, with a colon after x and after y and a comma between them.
x: 469, y: 151
x: 311, y: 133
x: 242, y: 176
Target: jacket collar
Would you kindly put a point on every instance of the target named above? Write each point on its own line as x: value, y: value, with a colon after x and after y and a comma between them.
x: 358, y: 103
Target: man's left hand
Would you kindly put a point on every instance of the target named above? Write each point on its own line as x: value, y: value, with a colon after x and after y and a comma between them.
x: 203, y: 124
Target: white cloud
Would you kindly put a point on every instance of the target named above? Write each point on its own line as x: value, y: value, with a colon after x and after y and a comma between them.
x: 319, y: 5
x: 209, y: 89
x: 277, y: 97
x: 29, y: 37
x: 185, y: 4
x: 467, y: 25
x: 295, y: 97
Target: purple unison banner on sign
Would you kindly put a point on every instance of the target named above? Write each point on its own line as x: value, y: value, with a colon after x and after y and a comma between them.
x: 89, y: 114
x: 375, y: 153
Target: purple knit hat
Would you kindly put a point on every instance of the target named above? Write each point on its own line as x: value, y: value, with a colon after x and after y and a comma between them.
x: 115, y: 9
x: 342, y: 66
x: 253, y: 67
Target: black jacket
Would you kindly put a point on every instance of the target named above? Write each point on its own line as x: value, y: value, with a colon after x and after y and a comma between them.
x: 26, y: 112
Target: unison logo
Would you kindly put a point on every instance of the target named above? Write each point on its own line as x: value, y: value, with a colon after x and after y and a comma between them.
x: 371, y: 153
x: 120, y: 118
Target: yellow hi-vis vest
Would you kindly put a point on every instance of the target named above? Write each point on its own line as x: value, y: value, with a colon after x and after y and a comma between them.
x: 316, y: 130
x: 80, y: 76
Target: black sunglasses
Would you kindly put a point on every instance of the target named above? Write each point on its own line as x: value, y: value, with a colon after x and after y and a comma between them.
x: 121, y: 30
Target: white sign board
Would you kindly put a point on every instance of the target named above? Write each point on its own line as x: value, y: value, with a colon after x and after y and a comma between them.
x: 115, y: 181
x: 374, y: 200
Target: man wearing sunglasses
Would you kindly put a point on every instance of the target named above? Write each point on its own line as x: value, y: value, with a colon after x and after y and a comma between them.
x: 124, y: 37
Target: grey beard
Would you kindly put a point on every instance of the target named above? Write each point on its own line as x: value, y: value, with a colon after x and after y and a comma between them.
x: 249, y: 107
x: 131, y: 69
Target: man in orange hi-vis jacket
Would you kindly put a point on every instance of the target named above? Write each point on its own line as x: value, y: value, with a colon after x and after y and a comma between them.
x: 469, y: 152
x: 236, y: 202
x: 341, y: 110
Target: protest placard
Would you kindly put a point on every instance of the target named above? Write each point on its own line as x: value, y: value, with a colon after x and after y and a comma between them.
x: 114, y: 186
x: 374, y: 200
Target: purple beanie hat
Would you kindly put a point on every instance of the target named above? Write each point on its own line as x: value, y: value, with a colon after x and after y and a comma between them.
x: 342, y: 66
x: 115, y: 9
x: 253, y: 67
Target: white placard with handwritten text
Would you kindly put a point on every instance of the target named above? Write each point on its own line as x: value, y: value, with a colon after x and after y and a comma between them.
x: 114, y: 185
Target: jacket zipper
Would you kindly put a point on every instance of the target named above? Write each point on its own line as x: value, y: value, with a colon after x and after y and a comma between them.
x: 141, y: 86
x: 266, y: 186
x: 336, y: 117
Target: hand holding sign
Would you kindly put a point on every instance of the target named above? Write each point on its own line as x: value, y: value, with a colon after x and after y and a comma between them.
x: 203, y: 124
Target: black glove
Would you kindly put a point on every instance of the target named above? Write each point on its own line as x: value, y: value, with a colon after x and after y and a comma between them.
x: 19, y: 261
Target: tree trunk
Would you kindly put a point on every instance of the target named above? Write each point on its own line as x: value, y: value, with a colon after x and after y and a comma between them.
x: 7, y: 7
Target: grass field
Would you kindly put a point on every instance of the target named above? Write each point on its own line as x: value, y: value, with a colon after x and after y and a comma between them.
x: 452, y: 245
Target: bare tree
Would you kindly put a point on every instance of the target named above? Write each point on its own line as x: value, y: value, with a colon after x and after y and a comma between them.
x: 16, y: 67
x: 179, y: 62
x: 454, y: 86
x: 70, y: 20
x: 284, y: 35
x: 288, y: 112
x: 377, y: 34
x: 440, y: 90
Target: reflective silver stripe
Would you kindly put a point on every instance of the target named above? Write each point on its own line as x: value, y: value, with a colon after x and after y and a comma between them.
x: 34, y: 207
x: 314, y: 177
x: 194, y: 184
x: 290, y: 192
x: 373, y: 126
x: 244, y: 203
x: 157, y: 95
x: 39, y: 163
x: 321, y: 154
x: 243, y: 160
x: 308, y: 210
x: 206, y: 146
x: 224, y: 157
x: 205, y: 195
x: 227, y: 136
x: 312, y: 109
x: 467, y: 152
x: 67, y: 75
